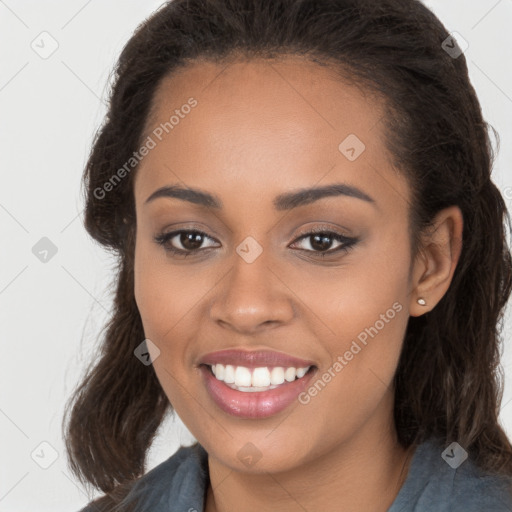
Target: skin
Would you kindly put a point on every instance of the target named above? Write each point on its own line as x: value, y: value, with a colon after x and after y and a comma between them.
x: 261, y: 129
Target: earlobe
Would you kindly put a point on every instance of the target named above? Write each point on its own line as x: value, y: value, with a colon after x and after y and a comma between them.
x: 436, y: 261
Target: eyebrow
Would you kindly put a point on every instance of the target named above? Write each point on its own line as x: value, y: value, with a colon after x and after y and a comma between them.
x: 286, y: 201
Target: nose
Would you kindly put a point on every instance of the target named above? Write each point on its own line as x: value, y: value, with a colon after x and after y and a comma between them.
x: 252, y: 297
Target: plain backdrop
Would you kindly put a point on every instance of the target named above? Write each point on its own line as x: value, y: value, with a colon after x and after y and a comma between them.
x: 51, y: 312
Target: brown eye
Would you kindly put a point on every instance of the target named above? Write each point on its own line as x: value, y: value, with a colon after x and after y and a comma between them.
x: 321, y: 242
x: 190, y: 241
x: 183, y: 241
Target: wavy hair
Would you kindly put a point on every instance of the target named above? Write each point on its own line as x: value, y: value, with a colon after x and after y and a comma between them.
x: 448, y: 382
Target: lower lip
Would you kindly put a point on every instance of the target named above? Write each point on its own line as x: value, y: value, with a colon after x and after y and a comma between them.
x: 256, y: 405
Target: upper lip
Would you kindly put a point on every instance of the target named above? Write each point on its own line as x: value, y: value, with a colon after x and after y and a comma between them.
x: 254, y: 359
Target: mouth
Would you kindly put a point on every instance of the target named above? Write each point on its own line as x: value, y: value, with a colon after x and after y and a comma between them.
x: 255, y: 392
x: 250, y: 380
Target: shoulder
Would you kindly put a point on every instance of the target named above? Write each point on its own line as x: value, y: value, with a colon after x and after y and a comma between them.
x: 443, y: 479
x: 474, y: 490
x: 180, y: 478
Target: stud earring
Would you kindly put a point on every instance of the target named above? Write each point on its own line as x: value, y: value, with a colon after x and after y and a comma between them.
x: 422, y: 302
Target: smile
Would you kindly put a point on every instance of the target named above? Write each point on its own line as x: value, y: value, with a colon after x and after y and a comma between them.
x: 243, y: 399
x: 250, y: 380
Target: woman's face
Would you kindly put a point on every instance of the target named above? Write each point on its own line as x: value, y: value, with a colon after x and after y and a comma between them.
x: 252, y: 135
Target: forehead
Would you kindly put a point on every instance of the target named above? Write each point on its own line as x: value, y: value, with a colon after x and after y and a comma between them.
x: 265, y: 124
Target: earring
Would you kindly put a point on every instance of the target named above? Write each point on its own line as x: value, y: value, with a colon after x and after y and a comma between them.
x: 422, y: 302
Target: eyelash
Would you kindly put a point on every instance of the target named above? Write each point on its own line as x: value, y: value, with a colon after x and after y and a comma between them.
x: 163, y: 240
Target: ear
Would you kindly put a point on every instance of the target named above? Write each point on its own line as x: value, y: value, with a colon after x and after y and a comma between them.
x: 437, y: 258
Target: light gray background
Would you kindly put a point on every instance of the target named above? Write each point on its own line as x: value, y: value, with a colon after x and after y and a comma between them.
x: 50, y: 109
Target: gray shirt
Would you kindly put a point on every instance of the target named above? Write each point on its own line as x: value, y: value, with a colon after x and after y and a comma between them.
x: 179, y: 484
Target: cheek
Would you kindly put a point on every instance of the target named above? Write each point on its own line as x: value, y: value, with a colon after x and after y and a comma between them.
x: 371, y: 281
x: 169, y: 298
x: 148, y: 289
x: 161, y: 292
x: 365, y: 317
x: 362, y: 314
x: 161, y: 300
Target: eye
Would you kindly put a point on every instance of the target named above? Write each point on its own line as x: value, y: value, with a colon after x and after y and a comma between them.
x: 189, y: 242
x: 321, y: 240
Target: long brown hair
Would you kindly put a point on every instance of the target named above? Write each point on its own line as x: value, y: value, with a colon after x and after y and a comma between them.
x: 448, y: 382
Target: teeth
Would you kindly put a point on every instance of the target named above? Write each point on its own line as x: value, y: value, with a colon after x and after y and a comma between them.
x: 260, y: 377
x: 277, y: 375
x: 256, y: 379
x: 301, y: 372
x: 242, y: 376
x: 219, y: 371
x: 229, y: 373
x: 289, y: 374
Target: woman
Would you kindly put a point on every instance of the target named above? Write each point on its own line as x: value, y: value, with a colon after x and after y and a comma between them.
x: 312, y: 266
